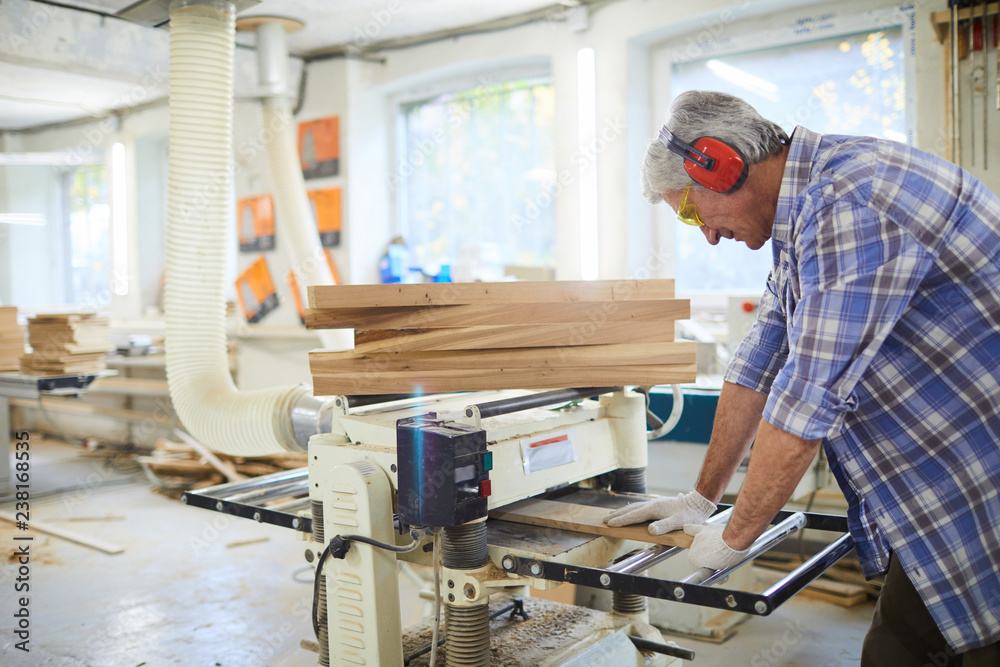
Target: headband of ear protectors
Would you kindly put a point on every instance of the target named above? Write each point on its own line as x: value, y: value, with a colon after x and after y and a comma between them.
x: 711, y: 162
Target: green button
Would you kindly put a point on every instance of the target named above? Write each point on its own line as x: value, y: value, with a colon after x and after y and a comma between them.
x: 488, y: 461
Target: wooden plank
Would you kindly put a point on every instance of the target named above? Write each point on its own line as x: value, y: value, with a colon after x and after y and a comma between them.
x: 512, y: 336
x: 130, y: 386
x: 436, y: 294
x: 182, y: 467
x: 432, y: 382
x: 626, y: 354
x: 583, y: 519
x: 491, y: 314
x: 71, y: 405
x: 226, y: 469
x: 72, y: 536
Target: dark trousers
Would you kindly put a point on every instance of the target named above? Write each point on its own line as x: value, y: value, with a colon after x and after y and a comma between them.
x: 903, y: 633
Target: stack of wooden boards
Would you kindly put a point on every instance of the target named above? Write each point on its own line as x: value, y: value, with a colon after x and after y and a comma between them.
x: 179, y: 466
x: 11, y: 340
x: 444, y: 337
x: 66, y: 343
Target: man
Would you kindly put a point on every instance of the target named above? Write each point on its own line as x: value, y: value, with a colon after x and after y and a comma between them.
x: 878, y: 337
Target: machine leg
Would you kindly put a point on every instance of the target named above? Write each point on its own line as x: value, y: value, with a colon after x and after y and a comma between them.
x: 467, y: 628
x: 322, y: 619
x: 630, y: 480
x: 361, y: 590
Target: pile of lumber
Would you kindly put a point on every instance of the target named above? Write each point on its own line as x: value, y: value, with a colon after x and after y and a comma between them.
x: 11, y: 340
x: 444, y: 337
x: 175, y: 466
x: 66, y: 343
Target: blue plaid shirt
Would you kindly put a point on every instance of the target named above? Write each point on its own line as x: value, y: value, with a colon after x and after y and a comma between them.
x: 879, y: 331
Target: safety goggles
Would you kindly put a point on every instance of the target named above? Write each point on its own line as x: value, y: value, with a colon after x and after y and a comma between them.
x: 687, y: 212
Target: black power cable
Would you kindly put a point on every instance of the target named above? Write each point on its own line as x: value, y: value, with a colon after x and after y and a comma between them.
x: 338, y: 547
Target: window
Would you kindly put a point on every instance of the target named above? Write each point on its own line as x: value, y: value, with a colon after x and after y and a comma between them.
x: 842, y: 83
x: 477, y: 174
x: 88, y: 220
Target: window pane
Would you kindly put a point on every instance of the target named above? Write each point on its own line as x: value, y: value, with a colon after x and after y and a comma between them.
x: 89, y: 223
x: 480, y: 179
x: 849, y: 84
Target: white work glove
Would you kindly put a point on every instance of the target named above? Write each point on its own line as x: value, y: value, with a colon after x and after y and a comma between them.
x: 667, y: 514
x: 708, y: 550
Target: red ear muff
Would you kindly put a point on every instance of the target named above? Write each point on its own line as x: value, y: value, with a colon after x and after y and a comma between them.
x: 709, y: 161
x: 728, y: 172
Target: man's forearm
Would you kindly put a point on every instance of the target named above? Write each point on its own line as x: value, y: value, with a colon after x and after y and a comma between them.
x: 736, y: 420
x: 777, y: 464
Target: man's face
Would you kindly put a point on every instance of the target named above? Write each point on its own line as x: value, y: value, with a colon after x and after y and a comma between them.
x: 738, y: 216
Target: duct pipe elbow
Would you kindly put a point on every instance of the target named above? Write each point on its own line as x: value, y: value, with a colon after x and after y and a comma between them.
x: 272, y: 59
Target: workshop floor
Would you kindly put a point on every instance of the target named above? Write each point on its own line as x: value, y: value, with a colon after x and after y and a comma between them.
x: 199, y: 588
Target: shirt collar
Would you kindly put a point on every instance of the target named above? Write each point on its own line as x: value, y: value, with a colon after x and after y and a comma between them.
x: 801, y: 153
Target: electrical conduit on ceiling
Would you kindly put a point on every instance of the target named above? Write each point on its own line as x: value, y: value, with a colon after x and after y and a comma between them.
x: 202, y: 35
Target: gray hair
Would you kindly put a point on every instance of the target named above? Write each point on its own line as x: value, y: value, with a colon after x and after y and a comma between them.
x: 696, y: 114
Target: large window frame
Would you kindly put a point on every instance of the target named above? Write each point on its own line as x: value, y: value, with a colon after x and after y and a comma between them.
x: 790, y: 28
x: 87, y: 220
x: 526, y: 208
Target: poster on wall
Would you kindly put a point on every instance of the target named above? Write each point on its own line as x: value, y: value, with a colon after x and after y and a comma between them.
x: 319, y: 147
x: 326, y: 212
x: 255, y: 290
x: 255, y: 223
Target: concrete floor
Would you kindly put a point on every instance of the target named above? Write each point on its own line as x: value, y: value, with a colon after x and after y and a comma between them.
x: 183, y: 594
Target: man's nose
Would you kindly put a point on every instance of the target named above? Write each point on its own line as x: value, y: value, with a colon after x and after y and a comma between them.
x: 711, y: 235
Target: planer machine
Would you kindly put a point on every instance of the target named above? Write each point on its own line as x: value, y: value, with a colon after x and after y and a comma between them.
x: 436, y: 480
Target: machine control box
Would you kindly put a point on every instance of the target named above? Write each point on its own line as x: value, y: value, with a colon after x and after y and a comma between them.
x: 442, y: 471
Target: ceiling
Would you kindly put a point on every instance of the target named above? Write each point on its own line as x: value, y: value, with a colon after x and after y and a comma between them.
x: 74, y: 59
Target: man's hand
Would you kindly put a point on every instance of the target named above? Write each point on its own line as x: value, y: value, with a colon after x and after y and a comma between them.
x: 709, y: 550
x: 667, y: 514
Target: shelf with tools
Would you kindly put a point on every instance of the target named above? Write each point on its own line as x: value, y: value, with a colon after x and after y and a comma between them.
x: 969, y: 11
x: 969, y: 33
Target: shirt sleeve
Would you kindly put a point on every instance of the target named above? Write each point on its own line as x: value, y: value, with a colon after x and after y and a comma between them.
x: 857, y: 273
x: 762, y: 353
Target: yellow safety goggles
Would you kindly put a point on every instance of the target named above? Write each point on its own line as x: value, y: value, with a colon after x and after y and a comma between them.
x: 687, y: 212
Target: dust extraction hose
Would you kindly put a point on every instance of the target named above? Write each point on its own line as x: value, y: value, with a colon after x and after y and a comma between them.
x: 295, y: 217
x: 202, y: 39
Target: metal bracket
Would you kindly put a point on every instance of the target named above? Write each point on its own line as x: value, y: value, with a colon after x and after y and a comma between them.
x: 471, y: 416
x: 247, y: 499
x: 758, y: 604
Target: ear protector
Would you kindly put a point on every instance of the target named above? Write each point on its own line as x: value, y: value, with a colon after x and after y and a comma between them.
x: 711, y: 162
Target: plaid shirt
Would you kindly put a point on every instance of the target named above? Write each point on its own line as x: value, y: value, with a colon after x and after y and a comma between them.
x: 879, y: 331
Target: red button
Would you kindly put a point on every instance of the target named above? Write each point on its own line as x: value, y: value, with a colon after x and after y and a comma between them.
x: 485, y: 488
x: 748, y: 307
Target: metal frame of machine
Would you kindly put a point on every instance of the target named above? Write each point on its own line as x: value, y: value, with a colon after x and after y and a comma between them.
x: 434, y: 467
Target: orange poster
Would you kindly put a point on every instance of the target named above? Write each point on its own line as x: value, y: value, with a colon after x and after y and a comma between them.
x: 326, y: 211
x: 255, y: 223
x: 319, y: 147
x: 256, y: 292
x: 293, y: 285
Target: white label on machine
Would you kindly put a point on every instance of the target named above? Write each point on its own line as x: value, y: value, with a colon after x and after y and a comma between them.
x: 547, y: 451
